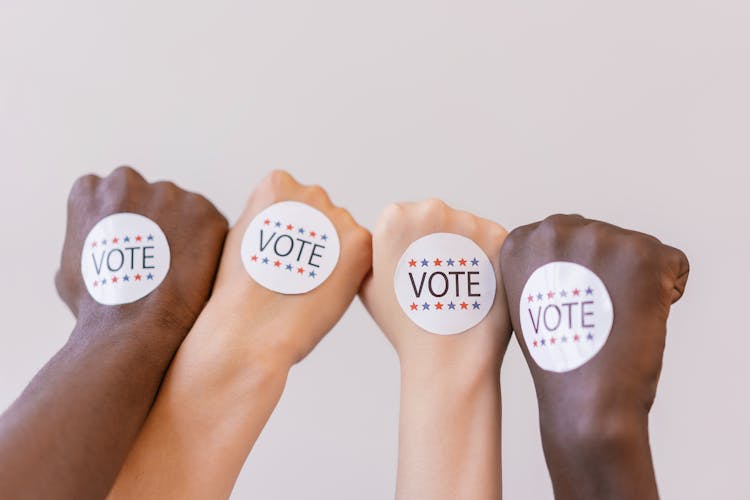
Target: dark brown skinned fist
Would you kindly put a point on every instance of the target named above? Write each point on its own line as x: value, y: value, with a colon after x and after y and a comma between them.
x: 594, y: 418
x: 68, y: 433
x: 194, y: 229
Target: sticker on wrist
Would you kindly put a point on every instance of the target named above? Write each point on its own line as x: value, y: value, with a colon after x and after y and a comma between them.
x: 445, y: 283
x: 125, y: 257
x: 290, y: 248
x: 566, y: 315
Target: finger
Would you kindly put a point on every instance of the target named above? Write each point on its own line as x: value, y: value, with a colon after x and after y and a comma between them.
x: 680, y: 267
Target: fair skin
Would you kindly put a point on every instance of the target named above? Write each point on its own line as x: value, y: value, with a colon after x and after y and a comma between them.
x: 449, y: 429
x: 231, y: 370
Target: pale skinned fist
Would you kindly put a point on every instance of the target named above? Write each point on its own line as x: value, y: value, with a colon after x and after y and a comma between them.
x: 484, y: 344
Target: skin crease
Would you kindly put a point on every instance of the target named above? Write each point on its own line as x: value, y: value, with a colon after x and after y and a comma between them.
x: 69, y: 432
x: 230, y: 372
x: 594, y: 419
x: 449, y: 429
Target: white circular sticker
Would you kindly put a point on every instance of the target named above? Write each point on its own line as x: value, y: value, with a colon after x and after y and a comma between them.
x: 125, y: 257
x: 290, y: 247
x: 445, y: 283
x: 566, y: 315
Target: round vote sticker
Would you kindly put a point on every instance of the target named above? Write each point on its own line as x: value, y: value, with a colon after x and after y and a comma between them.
x: 290, y: 247
x: 125, y: 257
x: 566, y: 315
x: 445, y: 283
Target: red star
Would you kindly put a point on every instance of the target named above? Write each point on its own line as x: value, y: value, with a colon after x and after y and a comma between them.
x: 530, y: 298
x: 138, y: 277
x: 266, y: 222
x: 576, y: 292
x: 96, y: 284
x: 114, y: 279
x: 277, y: 263
x: 412, y: 263
x: 536, y: 343
x: 289, y: 227
x: 550, y: 295
x: 552, y: 340
x: 313, y: 233
x: 138, y: 238
x: 464, y: 305
x: 576, y: 338
x: 254, y: 258
x: 413, y: 306
x: 462, y: 262
x: 115, y: 240
x: 439, y: 306
x: 93, y: 244
x: 437, y: 262
x: 300, y: 270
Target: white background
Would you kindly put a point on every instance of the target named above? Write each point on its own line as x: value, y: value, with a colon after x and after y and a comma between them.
x: 636, y: 112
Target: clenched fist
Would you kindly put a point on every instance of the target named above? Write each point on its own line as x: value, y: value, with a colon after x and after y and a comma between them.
x: 137, y: 267
x: 431, y: 292
x: 193, y: 228
x: 589, y: 303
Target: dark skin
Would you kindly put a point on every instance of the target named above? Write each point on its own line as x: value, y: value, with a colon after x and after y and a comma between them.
x: 69, y: 432
x: 594, y: 419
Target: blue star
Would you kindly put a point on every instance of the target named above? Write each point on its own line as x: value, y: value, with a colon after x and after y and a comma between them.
x: 425, y: 306
x: 127, y: 239
x: 475, y: 305
x: 312, y: 274
x: 265, y: 260
x: 539, y: 296
x: 474, y: 262
x: 324, y: 238
x: 104, y: 242
x: 590, y: 336
x: 589, y: 291
x: 149, y: 276
x: 450, y: 261
x: 542, y: 342
x: 301, y: 231
x: 150, y: 237
x: 424, y: 262
x: 451, y: 305
x: 104, y: 282
x: 288, y: 267
x: 564, y: 339
x: 277, y: 224
x: 563, y: 293
x: 126, y: 278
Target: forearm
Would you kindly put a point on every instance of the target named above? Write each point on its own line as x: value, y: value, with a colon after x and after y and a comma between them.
x: 449, y: 432
x: 96, y: 390
x: 213, y: 404
x: 599, y: 456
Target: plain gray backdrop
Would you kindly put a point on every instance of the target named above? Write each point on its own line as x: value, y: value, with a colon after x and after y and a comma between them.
x: 637, y: 113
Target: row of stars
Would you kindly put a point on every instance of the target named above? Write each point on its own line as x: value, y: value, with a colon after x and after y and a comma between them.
x: 439, y: 263
x: 281, y: 265
x: 563, y: 339
x: 125, y: 278
x: 300, y: 230
x: 551, y: 295
x: 439, y: 306
x: 126, y: 239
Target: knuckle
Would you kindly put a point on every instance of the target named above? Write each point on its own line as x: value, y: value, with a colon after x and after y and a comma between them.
x: 278, y: 178
x: 389, y: 216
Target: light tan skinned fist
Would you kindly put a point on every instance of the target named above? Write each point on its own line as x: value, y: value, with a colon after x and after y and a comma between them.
x: 291, y: 325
